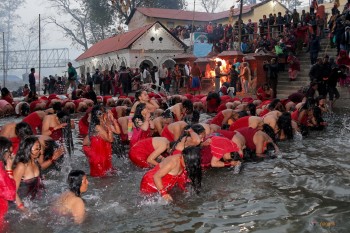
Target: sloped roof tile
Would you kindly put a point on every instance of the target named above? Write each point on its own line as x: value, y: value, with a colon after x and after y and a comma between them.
x: 115, y: 43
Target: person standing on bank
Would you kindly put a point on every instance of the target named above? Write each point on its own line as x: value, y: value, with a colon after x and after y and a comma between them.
x: 314, y: 48
x: 218, y: 75
x: 272, y: 74
x: 97, y: 80
x: 32, y: 84
x: 72, y: 75
x: 163, y: 74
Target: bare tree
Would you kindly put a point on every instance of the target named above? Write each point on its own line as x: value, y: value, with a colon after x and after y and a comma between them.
x: 210, y: 5
x: 76, y: 28
x: 8, y: 19
x: 28, y: 39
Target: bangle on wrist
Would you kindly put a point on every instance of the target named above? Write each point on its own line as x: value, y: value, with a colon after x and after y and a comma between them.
x: 163, y: 192
x: 52, y: 160
x: 9, y: 172
x: 227, y: 164
x: 20, y: 206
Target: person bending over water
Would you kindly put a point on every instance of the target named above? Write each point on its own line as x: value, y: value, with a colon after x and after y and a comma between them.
x: 174, y: 130
x: 162, y: 121
x: 223, y: 117
x: 191, y: 136
x: 145, y: 152
x: 172, y: 171
x: 180, y: 110
x: 70, y: 202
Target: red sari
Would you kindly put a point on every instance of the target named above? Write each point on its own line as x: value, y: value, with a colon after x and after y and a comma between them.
x: 169, y: 181
x: 99, y: 154
x: 7, y: 192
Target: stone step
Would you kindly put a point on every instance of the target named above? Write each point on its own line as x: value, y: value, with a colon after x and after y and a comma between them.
x: 287, y: 83
x: 286, y: 87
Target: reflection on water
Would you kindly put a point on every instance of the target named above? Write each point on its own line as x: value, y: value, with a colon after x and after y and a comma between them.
x: 305, y: 190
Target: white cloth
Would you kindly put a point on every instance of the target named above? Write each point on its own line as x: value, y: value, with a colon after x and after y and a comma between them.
x: 163, y: 72
x: 187, y: 70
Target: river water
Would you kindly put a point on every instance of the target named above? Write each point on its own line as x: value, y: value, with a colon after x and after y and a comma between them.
x: 306, y: 189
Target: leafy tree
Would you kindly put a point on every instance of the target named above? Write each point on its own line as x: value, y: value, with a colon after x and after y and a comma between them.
x: 101, y: 18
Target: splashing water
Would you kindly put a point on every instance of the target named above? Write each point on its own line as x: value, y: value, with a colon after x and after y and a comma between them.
x: 149, y: 87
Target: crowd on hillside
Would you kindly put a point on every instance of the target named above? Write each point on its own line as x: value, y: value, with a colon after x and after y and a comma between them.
x: 290, y: 30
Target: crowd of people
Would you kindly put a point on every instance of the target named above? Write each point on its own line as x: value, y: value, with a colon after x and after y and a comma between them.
x: 164, y: 134
x: 290, y: 30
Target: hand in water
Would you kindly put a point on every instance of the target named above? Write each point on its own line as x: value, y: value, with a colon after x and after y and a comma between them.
x: 58, y: 153
x: 237, y: 168
x: 168, y: 198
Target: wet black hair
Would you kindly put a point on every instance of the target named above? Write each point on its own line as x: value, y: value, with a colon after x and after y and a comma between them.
x: 192, y: 158
x: 168, y: 114
x: 5, y: 146
x: 92, y: 95
x: 317, y: 113
x: 138, y: 94
x: 24, y: 110
x: 309, y: 104
x: 188, y: 105
x: 164, y: 105
x: 270, y: 150
x: 50, y: 147
x: 95, y: 114
x: 175, y: 100
x: 119, y: 102
x: 273, y: 104
x: 269, y: 131
x: 250, y: 156
x: 57, y: 107
x: 235, y: 156
x: 118, y: 147
x: 64, y: 117
x: 252, y: 109
x: 198, y: 128
x: 127, y: 112
x: 138, y: 113
x: 25, y: 150
x: 4, y: 92
x: 214, y: 95
x: 195, y: 116
x: 284, y: 123
x: 23, y: 129
x: 74, y: 180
